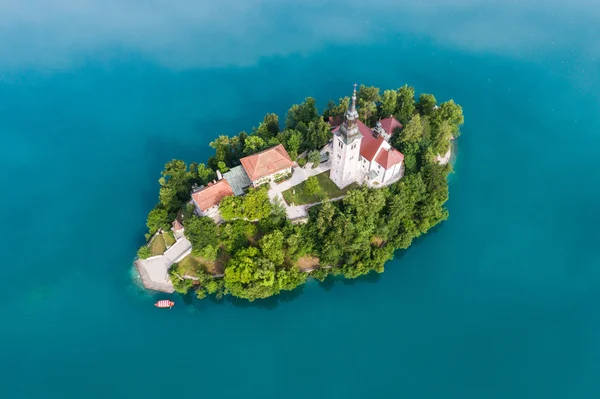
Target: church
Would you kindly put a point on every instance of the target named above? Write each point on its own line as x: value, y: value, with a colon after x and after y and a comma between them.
x: 364, y: 155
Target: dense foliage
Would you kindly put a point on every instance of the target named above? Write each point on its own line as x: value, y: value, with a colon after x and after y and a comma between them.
x: 261, y: 253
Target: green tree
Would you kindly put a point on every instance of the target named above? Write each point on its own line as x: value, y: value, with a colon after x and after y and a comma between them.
x: 314, y: 157
x: 223, y: 150
x: 294, y: 245
x: 144, y: 252
x: 181, y: 285
x: 306, y: 112
x: 317, y: 135
x: 451, y: 113
x: 441, y: 135
x: 293, y: 143
x: 202, y: 233
x: 426, y: 104
x: 204, y: 174
x: 249, y: 276
x: 254, y: 144
x: 411, y: 155
x: 389, y: 103
x: 222, y: 167
x: 272, y: 247
x: 257, y: 204
x: 275, y: 219
x: 231, y: 207
x: 209, y: 252
x: 405, y: 104
x: 290, y: 278
x: 175, y: 184
x: 268, y: 128
x: 412, y: 132
x: 158, y: 218
x: 321, y: 274
x: 312, y: 186
x: 367, y: 99
x: 235, y: 235
x: 336, y: 110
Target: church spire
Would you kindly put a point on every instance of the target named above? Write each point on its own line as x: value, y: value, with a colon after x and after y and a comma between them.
x: 351, y: 115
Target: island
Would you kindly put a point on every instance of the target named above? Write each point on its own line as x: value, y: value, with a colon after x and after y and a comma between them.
x: 332, y: 194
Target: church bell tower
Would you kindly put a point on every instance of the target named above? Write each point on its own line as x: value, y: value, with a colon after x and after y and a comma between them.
x: 345, y: 160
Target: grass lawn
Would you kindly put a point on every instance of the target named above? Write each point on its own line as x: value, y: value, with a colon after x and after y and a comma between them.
x: 157, y: 246
x: 190, y: 265
x: 327, y: 189
x: 169, y: 238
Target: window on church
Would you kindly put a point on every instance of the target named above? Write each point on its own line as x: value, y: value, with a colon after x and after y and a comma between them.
x: 351, y: 158
x: 340, y: 144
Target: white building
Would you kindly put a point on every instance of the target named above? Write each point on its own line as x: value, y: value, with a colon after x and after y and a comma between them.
x: 362, y: 154
x: 267, y: 165
x: 206, y: 201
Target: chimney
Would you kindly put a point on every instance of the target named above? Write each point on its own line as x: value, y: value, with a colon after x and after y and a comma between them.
x: 219, y: 175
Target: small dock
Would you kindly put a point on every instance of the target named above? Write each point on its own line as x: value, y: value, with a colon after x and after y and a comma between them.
x: 147, y: 281
x: 154, y: 271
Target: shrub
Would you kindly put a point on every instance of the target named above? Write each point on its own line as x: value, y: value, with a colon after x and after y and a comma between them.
x: 302, y: 162
x: 312, y: 186
x: 314, y: 157
x: 282, y: 177
x: 144, y: 252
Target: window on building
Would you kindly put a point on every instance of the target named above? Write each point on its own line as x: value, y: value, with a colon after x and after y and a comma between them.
x: 340, y: 144
x: 339, y: 156
x: 351, y: 158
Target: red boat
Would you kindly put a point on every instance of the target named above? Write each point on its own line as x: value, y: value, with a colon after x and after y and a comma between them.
x: 164, y: 304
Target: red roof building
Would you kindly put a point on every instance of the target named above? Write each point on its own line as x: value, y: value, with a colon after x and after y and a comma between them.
x: 211, y: 195
x: 177, y: 226
x: 389, y: 158
x: 370, y: 145
x: 266, y: 163
x: 374, y: 160
x: 390, y: 124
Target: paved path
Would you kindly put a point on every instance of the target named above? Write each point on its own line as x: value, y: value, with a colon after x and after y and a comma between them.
x: 154, y: 271
x: 299, y: 175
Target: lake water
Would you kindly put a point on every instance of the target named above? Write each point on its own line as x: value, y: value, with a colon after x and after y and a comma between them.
x: 500, y: 301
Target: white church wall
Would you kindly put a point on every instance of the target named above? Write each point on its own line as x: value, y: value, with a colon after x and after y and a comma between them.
x: 345, y: 162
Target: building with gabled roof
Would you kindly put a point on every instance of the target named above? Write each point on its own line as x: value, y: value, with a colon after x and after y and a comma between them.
x: 267, y: 165
x: 207, y: 200
x: 362, y: 154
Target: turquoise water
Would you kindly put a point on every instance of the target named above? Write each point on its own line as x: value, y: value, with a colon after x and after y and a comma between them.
x: 500, y: 301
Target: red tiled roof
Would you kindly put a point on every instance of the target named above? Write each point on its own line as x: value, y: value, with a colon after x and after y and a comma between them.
x: 369, y: 144
x: 177, y: 226
x: 266, y: 162
x: 389, y: 158
x: 212, y: 195
x: 390, y: 124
